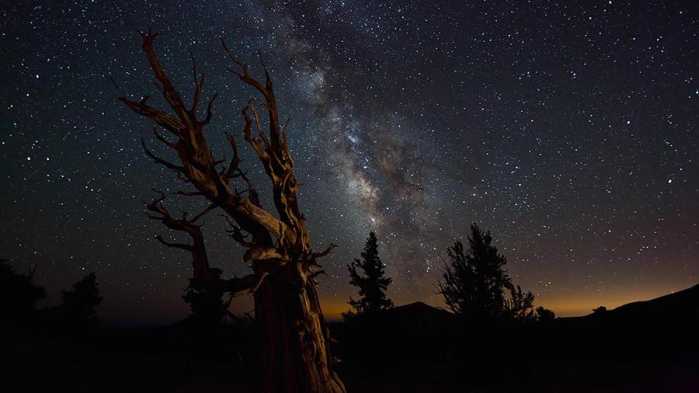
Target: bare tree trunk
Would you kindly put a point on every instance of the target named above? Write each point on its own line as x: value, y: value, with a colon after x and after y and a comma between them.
x: 295, y: 356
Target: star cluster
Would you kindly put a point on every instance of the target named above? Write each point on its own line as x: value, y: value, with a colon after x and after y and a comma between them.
x: 567, y: 128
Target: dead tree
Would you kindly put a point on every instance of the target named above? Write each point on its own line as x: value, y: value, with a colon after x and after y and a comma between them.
x: 295, y: 354
x: 206, y: 287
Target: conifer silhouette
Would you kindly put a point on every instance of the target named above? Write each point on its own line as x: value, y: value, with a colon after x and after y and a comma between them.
x: 474, y: 283
x: 369, y: 276
x: 18, y: 294
x: 80, y: 303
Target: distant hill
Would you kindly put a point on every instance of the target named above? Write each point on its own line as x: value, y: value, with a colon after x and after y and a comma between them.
x: 414, y: 333
x: 417, y: 319
x: 679, y: 309
x: 414, y: 319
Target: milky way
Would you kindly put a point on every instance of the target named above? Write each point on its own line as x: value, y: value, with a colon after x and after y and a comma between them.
x: 570, y: 131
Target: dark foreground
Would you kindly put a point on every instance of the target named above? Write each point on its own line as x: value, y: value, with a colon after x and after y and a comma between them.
x: 413, y: 348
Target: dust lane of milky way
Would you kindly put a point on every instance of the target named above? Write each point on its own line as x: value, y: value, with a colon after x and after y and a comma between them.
x: 570, y: 131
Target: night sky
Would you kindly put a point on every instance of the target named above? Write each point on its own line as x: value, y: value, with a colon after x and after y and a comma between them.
x: 569, y: 129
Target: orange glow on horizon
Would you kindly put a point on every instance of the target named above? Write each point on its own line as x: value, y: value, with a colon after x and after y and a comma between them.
x: 563, y: 306
x: 569, y: 306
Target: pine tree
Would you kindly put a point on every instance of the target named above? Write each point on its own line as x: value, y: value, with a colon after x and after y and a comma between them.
x: 18, y: 294
x: 80, y: 303
x: 474, y: 282
x: 371, y: 281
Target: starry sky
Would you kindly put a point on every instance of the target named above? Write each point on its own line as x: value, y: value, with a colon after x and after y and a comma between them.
x: 569, y: 129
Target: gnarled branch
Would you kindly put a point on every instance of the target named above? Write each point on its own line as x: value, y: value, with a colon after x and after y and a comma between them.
x: 325, y: 252
x: 187, y: 247
x: 198, y: 165
x: 200, y: 259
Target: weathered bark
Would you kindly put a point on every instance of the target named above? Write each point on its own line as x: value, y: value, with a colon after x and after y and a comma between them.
x: 295, y: 354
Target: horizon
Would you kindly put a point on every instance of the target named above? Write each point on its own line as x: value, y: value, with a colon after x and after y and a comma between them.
x: 333, y: 310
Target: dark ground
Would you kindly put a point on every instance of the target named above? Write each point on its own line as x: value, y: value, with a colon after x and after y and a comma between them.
x: 414, y: 348
x: 648, y: 347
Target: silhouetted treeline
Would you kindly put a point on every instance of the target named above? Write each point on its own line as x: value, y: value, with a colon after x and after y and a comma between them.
x: 414, y: 347
x: 19, y: 294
